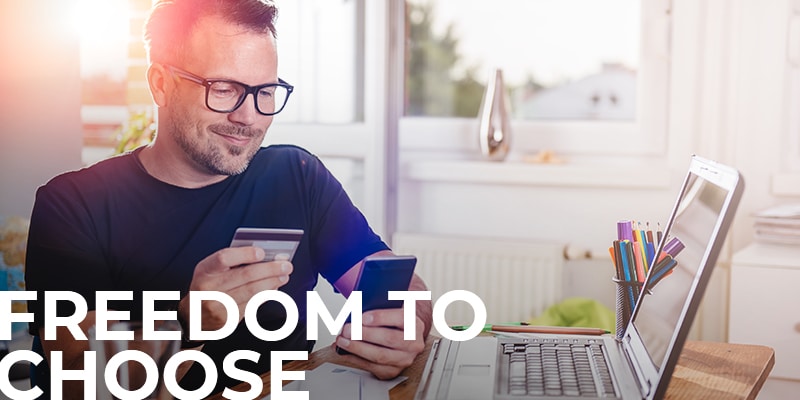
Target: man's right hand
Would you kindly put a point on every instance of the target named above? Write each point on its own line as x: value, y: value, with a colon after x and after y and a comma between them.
x: 240, y: 273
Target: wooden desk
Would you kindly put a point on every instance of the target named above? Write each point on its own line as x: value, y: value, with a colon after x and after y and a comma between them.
x: 706, y: 370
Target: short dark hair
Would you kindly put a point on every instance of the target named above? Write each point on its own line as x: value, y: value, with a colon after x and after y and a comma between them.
x: 171, y: 21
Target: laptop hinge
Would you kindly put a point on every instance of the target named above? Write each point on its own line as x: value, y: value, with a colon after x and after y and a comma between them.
x: 447, y: 373
x: 428, y: 373
x: 644, y: 384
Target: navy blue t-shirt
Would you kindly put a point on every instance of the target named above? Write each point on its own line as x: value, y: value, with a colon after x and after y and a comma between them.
x: 112, y: 226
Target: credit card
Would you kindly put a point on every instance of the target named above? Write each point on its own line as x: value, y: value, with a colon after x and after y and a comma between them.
x: 273, y: 241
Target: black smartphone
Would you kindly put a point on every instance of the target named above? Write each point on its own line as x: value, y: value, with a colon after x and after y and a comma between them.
x: 378, y: 276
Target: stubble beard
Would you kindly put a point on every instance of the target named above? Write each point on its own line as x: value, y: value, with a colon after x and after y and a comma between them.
x: 226, y: 159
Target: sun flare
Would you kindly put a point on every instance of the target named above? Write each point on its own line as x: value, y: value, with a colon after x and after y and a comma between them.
x: 101, y: 20
x: 103, y: 29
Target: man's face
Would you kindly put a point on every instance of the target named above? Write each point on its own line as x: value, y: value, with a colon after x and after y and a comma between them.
x: 220, y: 143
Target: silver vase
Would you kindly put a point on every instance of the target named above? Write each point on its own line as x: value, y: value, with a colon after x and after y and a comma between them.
x: 494, y: 131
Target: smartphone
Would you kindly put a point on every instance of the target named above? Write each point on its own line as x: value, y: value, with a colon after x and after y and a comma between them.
x: 381, y: 274
x: 273, y: 241
x: 378, y: 276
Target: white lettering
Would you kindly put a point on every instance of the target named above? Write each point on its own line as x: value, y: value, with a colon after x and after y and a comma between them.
x: 229, y: 367
x: 5, y: 367
x: 478, y: 321
x: 196, y: 331
x: 150, y: 374
x: 278, y: 375
x: 316, y: 308
x: 150, y: 315
x: 8, y: 317
x: 171, y: 368
x: 103, y: 315
x: 250, y: 315
x: 52, y: 320
x: 409, y: 309
x: 88, y: 375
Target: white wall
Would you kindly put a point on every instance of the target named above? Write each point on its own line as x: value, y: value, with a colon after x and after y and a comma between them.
x: 728, y: 102
x: 40, y: 130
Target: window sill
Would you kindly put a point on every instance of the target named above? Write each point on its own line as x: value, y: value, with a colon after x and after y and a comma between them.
x: 523, y: 173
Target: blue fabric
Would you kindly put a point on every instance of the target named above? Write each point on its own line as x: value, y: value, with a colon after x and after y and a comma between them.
x: 114, y: 227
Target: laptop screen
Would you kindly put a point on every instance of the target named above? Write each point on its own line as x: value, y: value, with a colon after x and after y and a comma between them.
x: 698, y: 222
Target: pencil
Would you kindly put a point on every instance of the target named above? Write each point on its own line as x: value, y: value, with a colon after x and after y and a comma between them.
x: 659, y: 234
x: 569, y: 330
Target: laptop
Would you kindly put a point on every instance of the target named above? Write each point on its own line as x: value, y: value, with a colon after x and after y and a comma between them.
x: 636, y: 365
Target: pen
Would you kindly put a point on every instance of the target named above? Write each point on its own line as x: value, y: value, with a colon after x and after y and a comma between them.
x: 651, y: 254
x: 640, y: 232
x: 628, y: 268
x: 665, y: 268
x: 638, y: 263
x: 618, y: 260
x: 624, y: 230
x: 641, y: 250
x: 674, y: 247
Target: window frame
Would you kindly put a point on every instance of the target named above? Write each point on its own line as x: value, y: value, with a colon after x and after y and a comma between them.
x: 365, y: 143
x: 646, y: 136
x: 384, y: 135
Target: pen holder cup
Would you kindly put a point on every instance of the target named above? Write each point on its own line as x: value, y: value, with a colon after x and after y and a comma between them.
x: 627, y: 295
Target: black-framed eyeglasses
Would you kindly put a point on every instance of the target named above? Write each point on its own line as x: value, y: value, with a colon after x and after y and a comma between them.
x: 225, y: 96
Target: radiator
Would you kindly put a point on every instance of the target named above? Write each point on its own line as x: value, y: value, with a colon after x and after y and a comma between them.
x: 516, y: 279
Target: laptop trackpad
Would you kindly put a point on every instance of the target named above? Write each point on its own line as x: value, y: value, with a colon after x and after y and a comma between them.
x: 473, y: 372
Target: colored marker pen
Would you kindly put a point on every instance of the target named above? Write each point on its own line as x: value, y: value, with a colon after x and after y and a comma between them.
x: 673, y: 247
x: 625, y: 230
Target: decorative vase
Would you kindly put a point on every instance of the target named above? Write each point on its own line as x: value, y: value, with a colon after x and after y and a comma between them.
x: 494, y: 131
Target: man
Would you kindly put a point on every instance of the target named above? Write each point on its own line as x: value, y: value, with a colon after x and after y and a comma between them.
x: 162, y: 216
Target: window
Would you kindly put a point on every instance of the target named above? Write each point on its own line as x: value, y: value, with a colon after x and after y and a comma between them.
x: 583, y: 76
x: 103, y: 27
x: 335, y: 54
x: 557, y: 64
x: 337, y: 71
x: 320, y: 47
x: 321, y: 51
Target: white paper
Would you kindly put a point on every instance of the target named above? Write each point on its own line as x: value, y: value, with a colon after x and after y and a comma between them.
x: 782, y: 211
x: 331, y: 381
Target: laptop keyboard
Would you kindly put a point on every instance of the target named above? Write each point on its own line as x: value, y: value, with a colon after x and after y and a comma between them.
x: 558, y: 368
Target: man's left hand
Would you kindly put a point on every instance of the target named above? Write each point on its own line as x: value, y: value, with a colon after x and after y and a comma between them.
x: 382, y: 350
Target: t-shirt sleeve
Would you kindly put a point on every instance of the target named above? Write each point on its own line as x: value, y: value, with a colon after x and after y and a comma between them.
x: 63, y: 253
x: 341, y: 235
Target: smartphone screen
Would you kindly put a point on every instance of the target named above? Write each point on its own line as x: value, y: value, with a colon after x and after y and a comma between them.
x: 379, y: 275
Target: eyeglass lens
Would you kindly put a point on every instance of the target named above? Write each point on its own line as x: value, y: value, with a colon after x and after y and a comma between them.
x: 225, y: 96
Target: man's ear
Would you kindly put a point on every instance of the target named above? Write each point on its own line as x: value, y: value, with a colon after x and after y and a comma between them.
x: 157, y: 79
